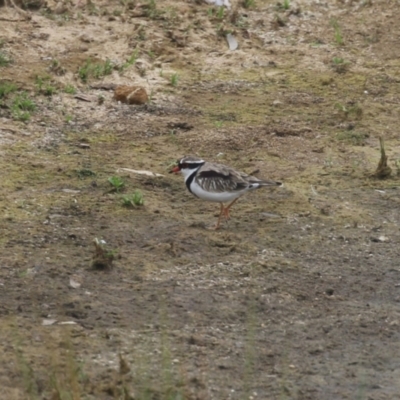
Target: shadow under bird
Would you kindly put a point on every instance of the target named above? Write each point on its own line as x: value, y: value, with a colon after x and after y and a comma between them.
x: 217, y: 182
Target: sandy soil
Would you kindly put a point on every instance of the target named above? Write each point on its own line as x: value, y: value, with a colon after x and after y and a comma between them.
x: 297, y: 297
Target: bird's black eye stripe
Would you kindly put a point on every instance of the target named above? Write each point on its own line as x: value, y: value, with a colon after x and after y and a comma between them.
x: 184, y: 165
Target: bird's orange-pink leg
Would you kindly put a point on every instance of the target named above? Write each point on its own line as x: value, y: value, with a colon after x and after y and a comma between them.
x: 226, y: 209
x: 225, y: 212
x: 220, y: 215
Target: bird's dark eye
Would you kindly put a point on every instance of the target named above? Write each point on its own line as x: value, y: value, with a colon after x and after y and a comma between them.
x: 184, y: 165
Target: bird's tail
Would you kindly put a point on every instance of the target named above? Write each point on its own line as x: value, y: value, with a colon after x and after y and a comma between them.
x: 258, y: 183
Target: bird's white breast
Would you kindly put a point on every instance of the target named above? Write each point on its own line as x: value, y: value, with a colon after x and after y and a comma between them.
x: 223, y: 197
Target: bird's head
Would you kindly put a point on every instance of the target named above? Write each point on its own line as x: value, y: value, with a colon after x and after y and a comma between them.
x: 187, y: 165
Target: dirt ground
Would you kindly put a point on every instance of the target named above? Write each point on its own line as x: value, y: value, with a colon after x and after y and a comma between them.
x: 297, y: 297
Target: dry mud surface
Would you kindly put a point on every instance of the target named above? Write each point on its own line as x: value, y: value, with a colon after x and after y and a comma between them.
x: 297, y: 297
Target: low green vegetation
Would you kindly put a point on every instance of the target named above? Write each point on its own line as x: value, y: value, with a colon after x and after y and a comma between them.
x: 220, y: 12
x: 44, y: 85
x: 283, y: 5
x: 22, y: 106
x: 350, y: 111
x: 116, y: 182
x: 95, y: 70
x: 248, y: 3
x: 174, y: 79
x: 130, y: 61
x: 151, y: 10
x: 56, y: 67
x: 85, y: 173
x: 103, y: 256
x: 132, y: 200
x: 353, y: 137
x: 70, y: 89
x: 337, y: 32
x: 5, y: 60
x: 340, y: 65
x: 6, y: 88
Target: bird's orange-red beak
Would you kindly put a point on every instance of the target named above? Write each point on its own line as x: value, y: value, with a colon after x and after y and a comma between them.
x: 176, y: 169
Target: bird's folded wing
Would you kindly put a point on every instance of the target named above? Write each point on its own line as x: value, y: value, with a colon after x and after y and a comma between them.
x: 221, y: 181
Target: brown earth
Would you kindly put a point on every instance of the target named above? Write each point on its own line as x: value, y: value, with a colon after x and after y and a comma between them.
x: 297, y: 297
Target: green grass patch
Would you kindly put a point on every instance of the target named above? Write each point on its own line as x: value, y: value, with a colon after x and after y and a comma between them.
x: 5, y: 60
x: 22, y: 106
x: 248, y: 3
x: 44, y: 85
x: 70, y: 89
x: 95, y: 70
x: 6, y: 88
x: 337, y: 32
x: 116, y: 182
x: 353, y: 137
x: 174, y: 79
x: 151, y: 10
x: 340, y: 65
x: 130, y: 61
x: 133, y: 200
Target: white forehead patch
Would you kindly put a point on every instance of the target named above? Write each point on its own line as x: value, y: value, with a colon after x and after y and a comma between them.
x: 191, y: 161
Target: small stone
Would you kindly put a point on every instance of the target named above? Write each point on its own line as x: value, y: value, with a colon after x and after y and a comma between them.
x: 86, y: 38
x: 47, y: 322
x: 380, y: 239
x: 131, y: 94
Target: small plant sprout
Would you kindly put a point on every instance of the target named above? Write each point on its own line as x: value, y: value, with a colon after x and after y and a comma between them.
x: 21, y: 107
x: 4, y: 59
x: 286, y: 4
x: 131, y: 60
x: 84, y: 71
x: 151, y: 96
x: 70, y: 89
x: 220, y: 13
x: 56, y: 67
x: 6, y: 88
x: 95, y: 70
x: 340, y: 65
x: 49, y: 90
x: 354, y: 110
x: 43, y: 85
x: 338, y: 32
x: 172, y: 136
x: 100, y: 99
x: 116, y: 182
x: 353, y: 137
x: 102, y: 257
x: 174, y: 79
x: 248, y: 3
x: 151, y: 10
x: 100, y: 70
x: 85, y: 173
x: 133, y: 200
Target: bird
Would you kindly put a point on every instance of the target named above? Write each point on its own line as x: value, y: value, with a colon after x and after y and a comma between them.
x: 217, y: 182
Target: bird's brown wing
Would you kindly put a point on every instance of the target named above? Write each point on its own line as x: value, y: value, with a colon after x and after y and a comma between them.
x: 218, y: 178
